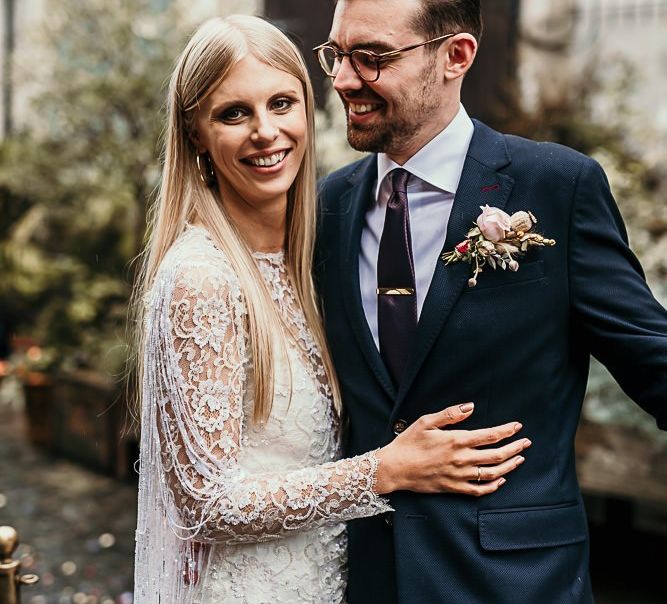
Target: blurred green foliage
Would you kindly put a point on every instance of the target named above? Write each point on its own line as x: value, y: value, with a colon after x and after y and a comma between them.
x: 74, y: 182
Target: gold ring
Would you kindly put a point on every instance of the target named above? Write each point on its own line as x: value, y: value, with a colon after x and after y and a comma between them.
x: 479, y: 474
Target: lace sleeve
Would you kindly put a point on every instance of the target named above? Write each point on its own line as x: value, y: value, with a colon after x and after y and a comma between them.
x: 202, y: 357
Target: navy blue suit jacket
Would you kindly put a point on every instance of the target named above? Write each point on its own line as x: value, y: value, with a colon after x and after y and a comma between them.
x: 518, y: 345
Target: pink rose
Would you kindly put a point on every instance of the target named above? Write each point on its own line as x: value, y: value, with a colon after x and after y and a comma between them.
x: 493, y: 223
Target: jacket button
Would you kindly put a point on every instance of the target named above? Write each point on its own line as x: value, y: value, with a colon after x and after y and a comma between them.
x: 400, y: 426
x: 389, y: 519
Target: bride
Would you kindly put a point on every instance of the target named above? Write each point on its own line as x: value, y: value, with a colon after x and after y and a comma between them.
x: 243, y: 497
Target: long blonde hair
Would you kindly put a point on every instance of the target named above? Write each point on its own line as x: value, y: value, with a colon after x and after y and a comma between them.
x: 183, y: 197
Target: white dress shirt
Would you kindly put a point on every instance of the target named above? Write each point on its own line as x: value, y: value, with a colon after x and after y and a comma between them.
x: 435, y: 171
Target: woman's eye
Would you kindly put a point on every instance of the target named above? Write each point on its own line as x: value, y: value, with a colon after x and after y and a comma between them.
x: 232, y: 115
x: 282, y: 104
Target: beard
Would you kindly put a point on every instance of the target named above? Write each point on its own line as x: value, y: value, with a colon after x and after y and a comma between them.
x: 410, y: 111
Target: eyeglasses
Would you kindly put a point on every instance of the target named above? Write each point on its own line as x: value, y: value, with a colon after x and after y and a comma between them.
x: 366, y: 64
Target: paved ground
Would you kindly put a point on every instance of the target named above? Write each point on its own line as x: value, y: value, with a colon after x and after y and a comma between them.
x: 76, y: 527
x: 77, y: 533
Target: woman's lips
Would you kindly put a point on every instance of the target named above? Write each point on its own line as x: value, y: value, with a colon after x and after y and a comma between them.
x: 268, y: 163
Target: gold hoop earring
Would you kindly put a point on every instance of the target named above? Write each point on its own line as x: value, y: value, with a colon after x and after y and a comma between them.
x: 208, y: 178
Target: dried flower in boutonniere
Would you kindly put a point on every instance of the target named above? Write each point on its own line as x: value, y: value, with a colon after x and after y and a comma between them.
x: 496, y: 241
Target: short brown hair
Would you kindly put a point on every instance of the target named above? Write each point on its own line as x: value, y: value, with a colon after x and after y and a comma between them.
x: 439, y: 17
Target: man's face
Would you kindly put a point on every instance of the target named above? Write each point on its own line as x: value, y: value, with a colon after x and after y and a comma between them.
x: 403, y: 109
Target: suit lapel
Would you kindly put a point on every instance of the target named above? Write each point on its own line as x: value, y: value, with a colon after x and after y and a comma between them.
x: 480, y: 184
x: 354, y: 204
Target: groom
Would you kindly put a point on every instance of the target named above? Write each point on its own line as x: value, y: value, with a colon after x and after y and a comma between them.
x: 410, y: 335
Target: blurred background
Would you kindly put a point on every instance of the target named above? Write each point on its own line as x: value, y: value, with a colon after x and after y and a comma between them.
x: 82, y: 83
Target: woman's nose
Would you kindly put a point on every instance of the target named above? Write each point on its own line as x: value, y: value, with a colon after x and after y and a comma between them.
x: 265, y: 129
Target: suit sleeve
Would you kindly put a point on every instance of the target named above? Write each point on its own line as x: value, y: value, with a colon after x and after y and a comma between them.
x: 626, y: 327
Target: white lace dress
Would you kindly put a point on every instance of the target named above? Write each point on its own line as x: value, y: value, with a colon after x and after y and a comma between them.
x: 231, y: 512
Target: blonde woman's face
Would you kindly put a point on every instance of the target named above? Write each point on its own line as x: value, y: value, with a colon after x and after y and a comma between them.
x: 254, y: 128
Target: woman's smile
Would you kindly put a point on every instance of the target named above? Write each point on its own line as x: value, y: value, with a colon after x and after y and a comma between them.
x: 269, y: 162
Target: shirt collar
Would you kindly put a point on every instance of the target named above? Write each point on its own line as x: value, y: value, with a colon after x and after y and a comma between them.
x: 439, y: 162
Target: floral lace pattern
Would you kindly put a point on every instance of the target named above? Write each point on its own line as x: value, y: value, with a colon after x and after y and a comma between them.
x: 274, y: 494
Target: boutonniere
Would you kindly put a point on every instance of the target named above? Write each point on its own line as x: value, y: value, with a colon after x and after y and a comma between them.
x: 496, y: 240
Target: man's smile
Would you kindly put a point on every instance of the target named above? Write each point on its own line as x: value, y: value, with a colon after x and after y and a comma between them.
x: 362, y: 108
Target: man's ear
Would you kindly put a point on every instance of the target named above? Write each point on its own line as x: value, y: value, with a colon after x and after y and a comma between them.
x: 461, y: 52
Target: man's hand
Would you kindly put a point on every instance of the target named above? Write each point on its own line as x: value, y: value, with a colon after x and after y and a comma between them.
x: 426, y: 459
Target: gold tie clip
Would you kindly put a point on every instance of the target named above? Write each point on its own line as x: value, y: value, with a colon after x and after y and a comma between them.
x: 395, y: 291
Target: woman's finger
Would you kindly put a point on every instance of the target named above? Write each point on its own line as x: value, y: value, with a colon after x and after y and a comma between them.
x: 450, y: 415
x: 486, y: 473
x: 490, y: 436
x: 483, y: 488
x: 490, y: 457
